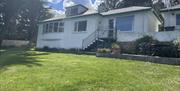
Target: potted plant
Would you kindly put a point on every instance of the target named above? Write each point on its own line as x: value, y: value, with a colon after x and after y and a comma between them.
x: 103, y: 52
x: 116, y: 50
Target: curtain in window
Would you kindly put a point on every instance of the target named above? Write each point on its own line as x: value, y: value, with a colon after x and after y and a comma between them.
x: 125, y: 23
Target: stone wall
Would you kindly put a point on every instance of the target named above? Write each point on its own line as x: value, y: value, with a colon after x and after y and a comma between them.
x: 14, y: 43
x: 153, y: 59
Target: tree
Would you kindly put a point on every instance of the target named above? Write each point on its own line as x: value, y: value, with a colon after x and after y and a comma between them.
x: 19, y: 18
x: 174, y: 2
x: 114, y: 4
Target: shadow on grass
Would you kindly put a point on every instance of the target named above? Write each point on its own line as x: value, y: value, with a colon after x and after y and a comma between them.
x: 17, y: 56
x: 76, y: 52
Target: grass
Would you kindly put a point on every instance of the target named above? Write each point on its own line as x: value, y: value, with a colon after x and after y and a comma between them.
x: 28, y: 70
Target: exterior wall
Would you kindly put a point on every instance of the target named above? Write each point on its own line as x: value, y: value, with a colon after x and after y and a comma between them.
x: 144, y: 22
x: 67, y: 39
x: 166, y: 35
x: 170, y: 19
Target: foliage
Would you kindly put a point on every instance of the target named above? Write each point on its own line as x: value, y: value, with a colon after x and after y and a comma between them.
x: 104, y: 50
x: 143, y: 45
x: 174, y: 2
x: 22, y: 70
x: 176, y: 42
x: 146, y: 39
x: 19, y: 18
x: 115, y: 46
x: 149, y: 46
x: 115, y: 4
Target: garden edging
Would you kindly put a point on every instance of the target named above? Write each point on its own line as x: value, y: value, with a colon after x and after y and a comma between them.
x: 153, y: 59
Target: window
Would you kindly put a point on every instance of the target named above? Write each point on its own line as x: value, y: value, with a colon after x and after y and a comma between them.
x: 53, y: 27
x: 47, y: 28
x: 56, y: 27
x: 178, y: 19
x: 61, y: 27
x: 44, y: 28
x: 125, y: 23
x: 80, y: 26
x: 74, y: 11
x: 111, y: 23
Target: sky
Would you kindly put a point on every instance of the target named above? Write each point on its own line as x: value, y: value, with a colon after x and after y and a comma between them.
x: 59, y: 5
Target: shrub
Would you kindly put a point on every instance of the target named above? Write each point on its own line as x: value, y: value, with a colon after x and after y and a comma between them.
x: 143, y: 45
x: 104, y: 50
x: 115, y: 46
x: 176, y: 42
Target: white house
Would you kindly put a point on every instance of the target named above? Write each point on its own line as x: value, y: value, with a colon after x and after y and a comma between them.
x: 81, y: 27
x: 172, y: 17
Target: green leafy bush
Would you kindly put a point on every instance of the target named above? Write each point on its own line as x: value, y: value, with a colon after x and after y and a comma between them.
x: 143, y: 45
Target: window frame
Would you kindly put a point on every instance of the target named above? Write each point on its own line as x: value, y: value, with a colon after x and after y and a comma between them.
x: 60, y: 26
x: 76, y: 26
x: 50, y: 27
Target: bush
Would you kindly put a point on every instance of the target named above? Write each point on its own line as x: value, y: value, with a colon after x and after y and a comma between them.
x: 104, y: 50
x: 149, y: 46
x: 176, y: 42
x: 115, y: 46
x: 143, y: 45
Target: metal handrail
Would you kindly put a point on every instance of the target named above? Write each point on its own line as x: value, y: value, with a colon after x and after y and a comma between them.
x: 96, y: 35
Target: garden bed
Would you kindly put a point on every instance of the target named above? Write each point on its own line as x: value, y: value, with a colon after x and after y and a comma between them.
x: 153, y: 59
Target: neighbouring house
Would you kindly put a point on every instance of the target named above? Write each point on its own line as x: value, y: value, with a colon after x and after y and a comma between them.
x: 84, y: 28
x: 171, y: 18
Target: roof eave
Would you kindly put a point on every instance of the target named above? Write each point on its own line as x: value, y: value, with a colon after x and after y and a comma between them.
x: 69, y: 17
x: 128, y: 12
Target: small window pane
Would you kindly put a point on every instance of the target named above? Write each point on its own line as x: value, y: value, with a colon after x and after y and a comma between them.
x: 76, y: 26
x: 56, y: 27
x: 74, y: 11
x: 178, y: 19
x: 61, y: 26
x: 44, y: 28
x: 61, y: 29
x: 47, y: 27
x: 51, y: 27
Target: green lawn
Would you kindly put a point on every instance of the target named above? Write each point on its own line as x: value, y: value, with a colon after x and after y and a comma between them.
x: 27, y: 70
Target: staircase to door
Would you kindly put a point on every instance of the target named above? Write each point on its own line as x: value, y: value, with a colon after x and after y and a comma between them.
x: 99, y: 39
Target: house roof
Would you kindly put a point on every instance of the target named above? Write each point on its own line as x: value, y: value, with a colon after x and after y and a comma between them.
x: 93, y: 11
x: 177, y: 7
x: 125, y: 10
x: 63, y: 16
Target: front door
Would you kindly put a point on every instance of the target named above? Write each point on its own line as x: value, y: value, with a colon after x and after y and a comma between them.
x: 111, y: 28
